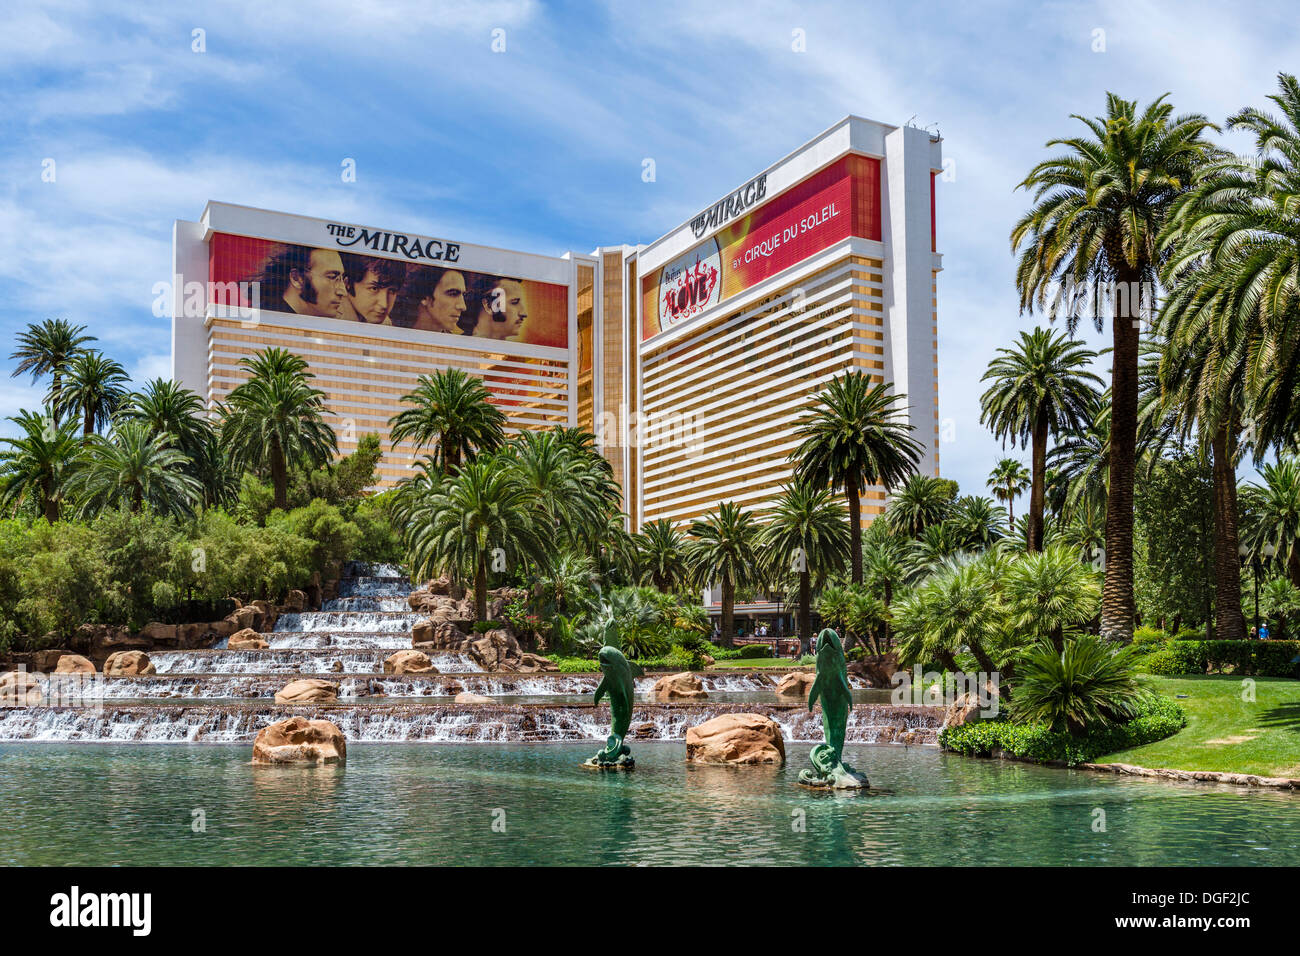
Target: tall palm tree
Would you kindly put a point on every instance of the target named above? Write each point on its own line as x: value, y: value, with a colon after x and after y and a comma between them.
x: 806, y: 532
x: 452, y: 411
x: 1230, y: 318
x: 1274, y: 507
x: 133, y: 467
x: 37, y: 464
x: 856, y: 436
x: 275, y: 418
x: 922, y: 501
x: 661, y: 555
x: 49, y: 349
x: 169, y: 408
x: 1007, y: 481
x: 1041, y: 387
x: 574, y: 494
x: 1098, y: 209
x: 94, y: 388
x: 459, y: 523
x: 724, y: 548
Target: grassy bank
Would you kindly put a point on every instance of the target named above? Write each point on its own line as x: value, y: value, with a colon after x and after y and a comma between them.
x: 1224, y: 732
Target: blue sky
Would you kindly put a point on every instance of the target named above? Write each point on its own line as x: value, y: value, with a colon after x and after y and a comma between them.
x: 540, y: 147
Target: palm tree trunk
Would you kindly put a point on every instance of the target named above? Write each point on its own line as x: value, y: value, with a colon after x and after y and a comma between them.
x: 805, y: 608
x: 279, y: 474
x: 1039, y: 484
x: 887, y: 633
x: 480, y: 587
x: 49, y: 503
x: 1229, y: 622
x: 88, y: 423
x: 728, y: 612
x: 1118, y: 606
x: 1293, y: 565
x: 1011, y: 510
x: 853, y: 493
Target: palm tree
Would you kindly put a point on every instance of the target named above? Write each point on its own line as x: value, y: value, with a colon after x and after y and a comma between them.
x: 94, y: 388
x: 452, y: 411
x: 570, y: 580
x: 725, y: 549
x: 1274, y: 508
x: 459, y: 523
x: 1099, y: 208
x: 661, y: 555
x: 806, y: 532
x: 36, y: 465
x: 921, y: 502
x: 977, y: 521
x: 575, y: 495
x: 955, y: 608
x: 133, y: 467
x: 1084, y: 683
x: 1081, y: 461
x: 1050, y: 594
x: 275, y: 418
x: 169, y: 408
x: 1232, y: 244
x: 1007, y: 481
x: 48, y: 349
x: 856, y: 436
x: 1041, y: 387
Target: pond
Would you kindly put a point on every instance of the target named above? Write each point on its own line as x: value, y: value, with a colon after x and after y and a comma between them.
x: 475, y: 804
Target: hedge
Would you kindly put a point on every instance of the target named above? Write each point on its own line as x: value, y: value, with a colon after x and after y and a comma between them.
x: 1247, y: 658
x: 1155, y: 720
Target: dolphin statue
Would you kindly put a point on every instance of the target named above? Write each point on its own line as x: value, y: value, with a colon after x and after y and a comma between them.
x: 831, y: 687
x: 617, y: 673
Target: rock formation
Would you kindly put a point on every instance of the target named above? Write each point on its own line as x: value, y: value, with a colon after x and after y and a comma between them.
x: 299, y: 740
x: 736, y: 739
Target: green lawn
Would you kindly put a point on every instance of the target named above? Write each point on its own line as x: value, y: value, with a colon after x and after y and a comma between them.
x: 1225, y: 733
x: 756, y: 662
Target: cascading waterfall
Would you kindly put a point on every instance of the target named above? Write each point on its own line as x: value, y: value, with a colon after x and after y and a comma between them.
x: 220, y: 695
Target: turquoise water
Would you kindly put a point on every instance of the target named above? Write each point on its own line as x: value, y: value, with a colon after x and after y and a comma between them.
x: 99, y: 804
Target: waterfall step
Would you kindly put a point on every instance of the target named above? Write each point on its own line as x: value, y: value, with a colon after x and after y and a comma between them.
x: 396, y: 722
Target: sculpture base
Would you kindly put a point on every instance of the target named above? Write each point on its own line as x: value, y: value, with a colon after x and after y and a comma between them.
x: 840, y: 778
x: 623, y: 763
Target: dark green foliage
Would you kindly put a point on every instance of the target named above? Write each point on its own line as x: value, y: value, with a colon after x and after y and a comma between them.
x: 1153, y: 720
x: 1247, y: 658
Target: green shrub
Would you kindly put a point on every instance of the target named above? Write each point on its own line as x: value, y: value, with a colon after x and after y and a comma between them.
x: 1164, y: 663
x: 1190, y: 634
x: 685, y: 659
x: 1189, y: 656
x: 1149, y: 635
x: 575, y: 665
x: 749, y: 652
x: 1153, y: 720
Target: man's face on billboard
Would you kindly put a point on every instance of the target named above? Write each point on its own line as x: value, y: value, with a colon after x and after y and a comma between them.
x: 508, y: 309
x: 372, y: 299
x: 445, y: 306
x: 321, y: 289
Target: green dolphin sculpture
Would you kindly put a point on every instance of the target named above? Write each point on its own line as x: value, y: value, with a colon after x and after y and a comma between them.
x: 617, y: 673
x: 832, y: 688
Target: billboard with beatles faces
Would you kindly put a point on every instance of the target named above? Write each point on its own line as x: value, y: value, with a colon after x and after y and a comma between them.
x: 841, y: 200
x: 380, y: 290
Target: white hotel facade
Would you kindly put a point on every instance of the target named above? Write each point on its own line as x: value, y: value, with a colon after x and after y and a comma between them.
x: 691, y: 358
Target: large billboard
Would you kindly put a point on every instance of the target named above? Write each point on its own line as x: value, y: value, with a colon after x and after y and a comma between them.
x: 379, y: 290
x: 840, y: 201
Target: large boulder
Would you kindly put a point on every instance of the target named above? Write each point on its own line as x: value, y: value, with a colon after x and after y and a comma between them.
x: 295, y: 601
x: 796, y: 684
x: 877, y: 670
x: 534, y: 664
x: 243, y: 618
x: 409, y: 662
x: 495, y: 650
x: 465, y: 697
x: 19, y: 689
x: 159, y: 633
x: 247, y: 639
x: 299, y: 740
x: 129, y: 664
x: 443, y: 636
x: 307, y: 690
x: 966, y: 709
x: 74, y: 664
x: 736, y: 739
x: 683, y: 686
